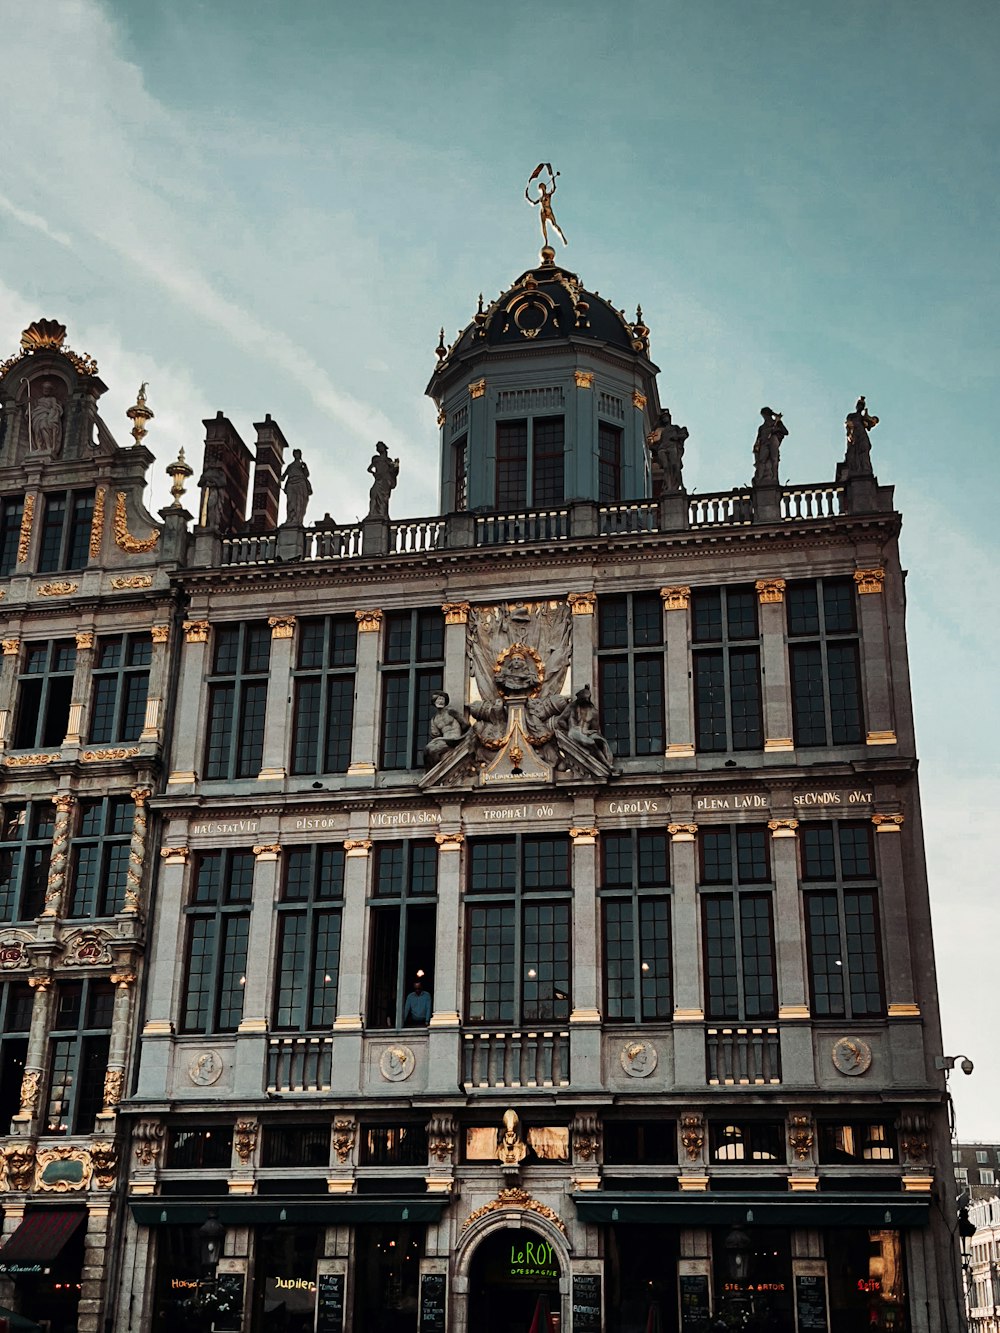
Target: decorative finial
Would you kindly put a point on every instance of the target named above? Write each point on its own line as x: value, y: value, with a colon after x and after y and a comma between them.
x: 544, y: 204
x: 178, y: 472
x: 139, y: 414
x: 480, y: 310
x: 640, y: 333
x: 43, y: 333
x: 441, y: 351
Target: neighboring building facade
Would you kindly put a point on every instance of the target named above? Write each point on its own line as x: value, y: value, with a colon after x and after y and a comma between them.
x: 976, y: 1169
x: 87, y: 608
x: 541, y: 911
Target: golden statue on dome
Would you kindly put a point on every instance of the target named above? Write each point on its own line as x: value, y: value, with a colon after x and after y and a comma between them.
x: 544, y: 204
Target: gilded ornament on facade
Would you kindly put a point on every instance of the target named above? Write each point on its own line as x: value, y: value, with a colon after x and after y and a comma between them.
x: 343, y: 1138
x: 63, y: 588
x: 84, y: 639
x: 24, y: 538
x: 63, y: 1169
x: 888, y: 823
x: 638, y: 400
x: 196, y: 631
x: 139, y: 414
x: 11, y: 647
x: 21, y: 1166
x: 683, y: 832
x: 397, y: 1063
x: 123, y: 980
x: 114, y: 1086
x: 104, y: 1160
x: 455, y: 613
x: 869, y: 580
x: 676, y: 599
x: 87, y: 948
x: 582, y: 603
x: 43, y: 335
x: 692, y: 1136
x: 30, y: 1087
x: 783, y: 828
x: 357, y: 846
x: 477, y: 389
x: 449, y: 842
x: 515, y: 1198
x: 584, y: 836
x: 160, y: 633
x: 268, y: 851
x: 369, y: 622
x: 175, y: 854
x: 30, y: 760
x: 147, y: 1139
x: 119, y: 752
x: 442, y: 416
x: 584, y: 379
x: 586, y: 1131
x: 12, y: 951
x: 638, y: 1058
x: 770, y: 591
x: 245, y: 1140
x: 851, y: 1056
x: 123, y: 581
x: 97, y: 523
x: 800, y: 1137
x: 282, y: 627
x: 441, y: 1132
x: 123, y: 538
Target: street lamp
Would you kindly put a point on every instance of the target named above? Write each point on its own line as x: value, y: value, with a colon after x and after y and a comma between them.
x: 947, y: 1063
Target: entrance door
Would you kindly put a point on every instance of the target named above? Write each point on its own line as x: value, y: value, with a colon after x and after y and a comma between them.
x: 510, y: 1271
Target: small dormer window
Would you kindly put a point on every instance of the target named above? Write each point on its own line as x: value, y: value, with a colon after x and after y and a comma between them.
x: 530, y: 462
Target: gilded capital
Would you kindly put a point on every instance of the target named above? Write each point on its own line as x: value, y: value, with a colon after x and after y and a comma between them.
x: 477, y: 389
x: 175, y: 855
x: 282, y: 627
x: 583, y: 837
x: 682, y: 832
x: 40, y: 982
x: 783, y: 828
x: 368, y: 621
x: 582, y: 603
x: 455, y: 613
x: 869, y: 580
x: 442, y: 416
x: 638, y: 400
x: 140, y: 795
x: 888, y: 823
x: 584, y: 379
x: 677, y: 598
x: 85, y: 639
x: 11, y: 647
x: 196, y: 631
x: 160, y: 633
x: 449, y: 842
x: 63, y: 802
x: 357, y: 846
x: 267, y: 851
x: 123, y: 980
x: 770, y: 591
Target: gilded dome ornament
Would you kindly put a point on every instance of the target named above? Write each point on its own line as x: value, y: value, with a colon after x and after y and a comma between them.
x: 544, y: 205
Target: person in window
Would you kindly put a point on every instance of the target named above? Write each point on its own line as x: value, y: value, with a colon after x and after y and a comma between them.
x: 417, y: 1008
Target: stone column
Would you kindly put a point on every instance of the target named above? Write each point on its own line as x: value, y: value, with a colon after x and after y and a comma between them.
x: 680, y: 700
x: 792, y: 997
x: 158, y: 683
x: 35, y: 1061
x: 350, y: 987
x: 901, y: 993
x: 444, y: 1037
x: 83, y: 676
x: 364, y: 741
x: 136, y: 852
x: 189, y: 730
x: 121, y: 1015
x: 875, y: 657
x: 688, y: 1006
x: 582, y: 605
x: 585, y: 1015
x: 9, y: 664
x: 55, y: 889
x: 777, y: 689
x: 266, y: 886
x: 279, y: 689
x: 456, y: 671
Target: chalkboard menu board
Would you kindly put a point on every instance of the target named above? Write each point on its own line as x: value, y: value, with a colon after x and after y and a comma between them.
x: 433, y: 1289
x: 586, y: 1303
x: 330, y: 1303
x: 810, y: 1301
x: 694, y: 1302
x: 228, y: 1316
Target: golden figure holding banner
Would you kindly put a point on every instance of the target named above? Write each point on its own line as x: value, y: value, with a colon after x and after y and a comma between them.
x: 544, y: 201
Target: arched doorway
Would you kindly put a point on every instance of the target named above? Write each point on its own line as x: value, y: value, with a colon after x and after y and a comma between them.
x: 510, y: 1270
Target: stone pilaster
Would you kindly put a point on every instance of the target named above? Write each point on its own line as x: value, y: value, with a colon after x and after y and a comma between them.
x: 158, y: 683
x: 279, y: 690
x: 9, y: 663
x: 583, y: 606
x: 874, y: 629
x: 777, y: 689
x: 350, y: 987
x: 166, y: 959
x: 189, y: 730
x: 792, y: 997
x: 443, y: 1040
x: 901, y: 992
x: 680, y: 700
x: 688, y: 1005
x: 78, y: 721
x: 456, y: 670
x: 364, y: 741
x: 266, y: 888
x: 586, y: 1000
x: 95, y: 1260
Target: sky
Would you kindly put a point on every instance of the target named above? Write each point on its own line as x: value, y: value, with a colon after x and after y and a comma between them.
x: 273, y: 207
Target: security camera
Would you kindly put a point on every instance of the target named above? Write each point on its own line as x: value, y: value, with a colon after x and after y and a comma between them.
x: 967, y: 1066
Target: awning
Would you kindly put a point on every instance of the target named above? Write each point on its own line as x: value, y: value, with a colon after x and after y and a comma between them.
x: 249, y: 1212
x: 763, y: 1209
x: 38, y: 1240
x: 18, y: 1323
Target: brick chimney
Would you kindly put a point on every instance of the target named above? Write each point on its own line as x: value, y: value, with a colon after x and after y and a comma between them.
x: 267, y: 469
x: 225, y: 451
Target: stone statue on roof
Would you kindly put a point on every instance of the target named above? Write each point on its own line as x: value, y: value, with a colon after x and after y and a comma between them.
x: 385, y: 471
x: 297, y: 490
x: 767, y: 448
x: 858, y: 461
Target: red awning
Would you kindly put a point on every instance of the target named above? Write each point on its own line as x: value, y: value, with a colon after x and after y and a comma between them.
x: 39, y: 1240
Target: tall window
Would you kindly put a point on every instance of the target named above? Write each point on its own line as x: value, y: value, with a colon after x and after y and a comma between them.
x: 65, y: 540
x: 323, y: 686
x: 519, y: 894
x: 312, y: 891
x: 78, y: 1055
x: 45, y: 689
x: 609, y: 463
x: 16, y: 1002
x: 544, y: 482
x: 218, y: 930
x: 824, y: 662
x: 636, y: 915
x: 402, y: 931
x: 99, y: 867
x: 727, y: 699
x: 237, y: 699
x: 25, y: 849
x: 630, y: 672
x: 11, y: 513
x: 412, y: 673
x: 737, y: 925
x: 121, y: 681
x: 460, y: 453
x: 842, y: 923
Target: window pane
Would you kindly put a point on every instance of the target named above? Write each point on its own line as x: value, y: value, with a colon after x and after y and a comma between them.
x: 654, y: 859
x: 232, y: 976
x: 863, y: 964
x: 619, y: 960
x: 760, y: 995
x: 546, y: 863
x: 840, y: 606
x: 710, y: 701
x: 654, y: 958
x: 617, y: 852
x: 545, y: 985
x: 803, y: 608
x: 198, y: 998
x: 339, y: 723
x: 745, y: 702
x: 721, y: 973
x: 856, y: 861
x: 706, y: 616
x: 751, y: 856
x: 816, y: 841
x: 612, y: 622
x: 845, y: 694
x: 613, y: 693
x: 741, y: 613
x: 826, y: 970
x: 492, y: 865
x: 716, y: 856
x: 512, y: 464
x: 650, y: 737
x: 547, y: 460
x: 808, y: 712
x: 490, y: 980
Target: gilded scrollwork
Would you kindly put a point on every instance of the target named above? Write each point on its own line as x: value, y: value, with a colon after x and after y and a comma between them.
x: 692, y: 1136
x: 31, y: 1082
x: 123, y: 538
x: 343, y: 1138
x: 20, y: 1166
x: 63, y: 1169
x: 114, y: 1086
x: 24, y: 537
x: 800, y: 1137
x: 515, y: 1198
x: 245, y: 1140
x: 97, y: 523
x: 104, y: 1160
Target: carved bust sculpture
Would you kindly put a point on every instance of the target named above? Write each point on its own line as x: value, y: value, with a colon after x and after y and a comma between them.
x: 512, y: 1148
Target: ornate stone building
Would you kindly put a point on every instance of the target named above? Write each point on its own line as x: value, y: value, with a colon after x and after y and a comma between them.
x: 541, y: 916
x: 87, y: 609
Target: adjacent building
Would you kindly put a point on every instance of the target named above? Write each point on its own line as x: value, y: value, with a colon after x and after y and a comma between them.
x: 540, y: 917
x: 976, y: 1166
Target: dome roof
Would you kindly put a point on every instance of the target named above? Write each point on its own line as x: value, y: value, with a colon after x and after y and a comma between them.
x: 546, y: 304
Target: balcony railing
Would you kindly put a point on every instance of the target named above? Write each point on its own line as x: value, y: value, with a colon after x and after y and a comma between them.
x: 729, y: 508
x: 803, y: 502
x: 616, y: 520
x: 743, y: 1055
x: 299, y: 1064
x: 417, y: 534
x: 515, y: 1059
x: 538, y: 525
